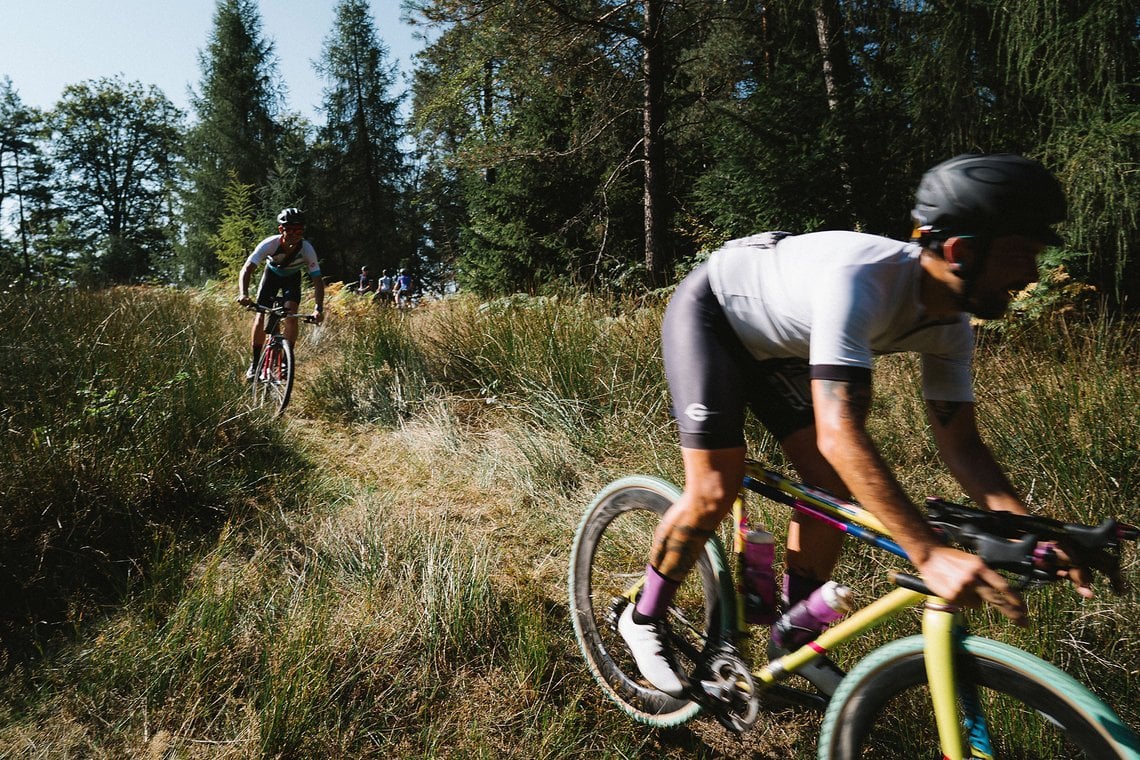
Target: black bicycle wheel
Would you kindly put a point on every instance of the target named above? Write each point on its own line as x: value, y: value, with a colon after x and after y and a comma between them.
x: 607, y: 558
x: 1033, y: 710
x: 273, y: 381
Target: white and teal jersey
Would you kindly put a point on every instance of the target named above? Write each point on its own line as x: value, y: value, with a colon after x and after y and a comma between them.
x: 281, y: 263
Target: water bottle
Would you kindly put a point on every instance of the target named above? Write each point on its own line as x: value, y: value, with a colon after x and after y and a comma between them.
x: 803, y: 622
x: 759, y: 580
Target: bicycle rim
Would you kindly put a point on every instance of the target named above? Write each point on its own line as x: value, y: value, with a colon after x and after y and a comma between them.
x: 273, y: 383
x: 607, y: 558
x: 1034, y: 711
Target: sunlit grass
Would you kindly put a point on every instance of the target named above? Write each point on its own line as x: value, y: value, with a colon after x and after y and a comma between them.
x: 382, y: 573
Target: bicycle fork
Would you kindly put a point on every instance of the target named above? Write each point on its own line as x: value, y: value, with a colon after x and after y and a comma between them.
x: 942, y: 632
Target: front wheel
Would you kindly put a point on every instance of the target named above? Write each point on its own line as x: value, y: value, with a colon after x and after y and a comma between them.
x: 607, y: 563
x: 273, y: 379
x: 1033, y: 709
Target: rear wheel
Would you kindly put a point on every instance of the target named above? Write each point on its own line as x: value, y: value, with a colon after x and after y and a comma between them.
x: 273, y: 379
x: 1033, y: 710
x: 607, y: 560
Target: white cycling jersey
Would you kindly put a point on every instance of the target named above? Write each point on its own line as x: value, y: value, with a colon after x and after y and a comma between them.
x: 837, y: 299
x: 282, y: 264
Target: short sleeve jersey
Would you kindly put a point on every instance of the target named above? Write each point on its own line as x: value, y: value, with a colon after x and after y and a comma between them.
x: 280, y: 263
x: 837, y: 299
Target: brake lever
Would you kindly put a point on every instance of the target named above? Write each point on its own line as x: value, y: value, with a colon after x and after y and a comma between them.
x: 1015, y: 556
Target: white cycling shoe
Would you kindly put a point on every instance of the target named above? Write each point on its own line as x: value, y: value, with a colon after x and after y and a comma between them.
x: 650, y: 648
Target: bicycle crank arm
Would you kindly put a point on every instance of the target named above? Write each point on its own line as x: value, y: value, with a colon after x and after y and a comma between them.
x: 729, y: 692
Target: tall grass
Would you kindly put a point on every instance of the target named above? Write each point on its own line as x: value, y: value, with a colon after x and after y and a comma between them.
x: 382, y: 574
x: 585, y: 368
x: 121, y: 421
x: 1057, y: 402
x: 379, y: 376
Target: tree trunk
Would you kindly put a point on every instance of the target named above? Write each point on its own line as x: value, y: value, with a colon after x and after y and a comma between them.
x: 23, y: 222
x: 652, y: 151
x: 837, y: 83
x: 487, y: 113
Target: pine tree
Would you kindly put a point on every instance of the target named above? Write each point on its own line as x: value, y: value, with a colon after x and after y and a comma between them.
x: 361, y: 172
x: 21, y: 156
x: 237, y: 133
x: 242, y: 228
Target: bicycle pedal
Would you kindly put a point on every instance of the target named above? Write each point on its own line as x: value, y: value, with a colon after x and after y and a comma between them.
x: 613, y: 614
x: 718, y: 691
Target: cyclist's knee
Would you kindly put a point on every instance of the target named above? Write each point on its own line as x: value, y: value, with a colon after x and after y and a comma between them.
x: 705, y: 504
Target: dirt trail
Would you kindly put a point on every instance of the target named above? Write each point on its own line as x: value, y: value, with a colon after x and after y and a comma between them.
x: 476, y: 478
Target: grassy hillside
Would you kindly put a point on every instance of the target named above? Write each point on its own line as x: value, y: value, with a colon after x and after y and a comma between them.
x: 382, y: 573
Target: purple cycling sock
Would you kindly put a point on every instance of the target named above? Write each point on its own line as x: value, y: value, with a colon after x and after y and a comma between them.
x: 656, y: 596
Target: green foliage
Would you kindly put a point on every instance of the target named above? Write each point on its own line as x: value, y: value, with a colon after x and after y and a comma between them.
x: 764, y: 127
x: 116, y: 152
x: 529, y: 120
x: 22, y: 172
x: 360, y: 169
x: 1099, y: 160
x: 531, y: 143
x: 241, y: 229
x: 236, y: 134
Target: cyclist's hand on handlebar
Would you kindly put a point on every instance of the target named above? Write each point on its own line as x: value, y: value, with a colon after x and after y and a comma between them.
x: 245, y: 301
x: 1081, y: 575
x: 317, y: 317
x: 963, y: 578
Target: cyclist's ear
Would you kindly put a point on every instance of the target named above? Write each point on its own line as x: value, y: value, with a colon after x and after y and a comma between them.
x: 958, y: 252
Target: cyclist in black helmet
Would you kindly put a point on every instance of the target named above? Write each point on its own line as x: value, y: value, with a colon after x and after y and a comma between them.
x: 973, y: 202
x: 788, y: 325
x: 285, y: 255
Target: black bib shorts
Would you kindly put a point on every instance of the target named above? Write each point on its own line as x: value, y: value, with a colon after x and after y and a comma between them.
x: 712, y: 377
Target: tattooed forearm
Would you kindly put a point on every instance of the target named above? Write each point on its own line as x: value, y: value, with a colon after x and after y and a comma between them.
x: 675, y: 553
x: 945, y: 410
x: 854, y: 398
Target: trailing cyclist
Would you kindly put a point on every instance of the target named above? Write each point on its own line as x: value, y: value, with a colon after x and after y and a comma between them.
x: 285, y: 255
x: 788, y: 325
x: 403, y: 290
x: 383, y: 294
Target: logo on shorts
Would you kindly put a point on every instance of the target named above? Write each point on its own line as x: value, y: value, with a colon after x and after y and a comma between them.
x: 697, y: 412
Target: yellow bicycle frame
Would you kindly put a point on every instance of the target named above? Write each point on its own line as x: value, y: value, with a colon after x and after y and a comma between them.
x: 940, y: 618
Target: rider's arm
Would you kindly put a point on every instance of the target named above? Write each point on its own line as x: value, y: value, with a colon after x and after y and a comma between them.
x: 973, y: 465
x: 968, y: 458
x: 243, y: 281
x: 260, y: 253
x: 314, y: 267
x: 319, y: 293
x: 841, y: 409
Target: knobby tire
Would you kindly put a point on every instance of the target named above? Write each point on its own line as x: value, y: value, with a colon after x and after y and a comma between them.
x: 273, y: 381
x: 1035, y: 710
x: 607, y: 557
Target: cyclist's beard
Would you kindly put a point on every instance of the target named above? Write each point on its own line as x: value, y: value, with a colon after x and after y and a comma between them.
x: 986, y: 305
x: 985, y: 302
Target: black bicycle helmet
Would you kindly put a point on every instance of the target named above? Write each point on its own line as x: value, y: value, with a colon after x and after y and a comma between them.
x: 291, y: 216
x: 989, y: 196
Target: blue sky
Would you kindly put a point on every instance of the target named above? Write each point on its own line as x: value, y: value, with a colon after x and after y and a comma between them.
x: 49, y: 44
